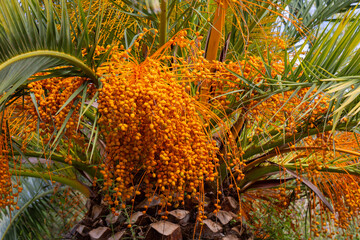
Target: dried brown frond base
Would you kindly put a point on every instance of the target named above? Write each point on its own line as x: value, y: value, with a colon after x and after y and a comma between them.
x: 175, y: 224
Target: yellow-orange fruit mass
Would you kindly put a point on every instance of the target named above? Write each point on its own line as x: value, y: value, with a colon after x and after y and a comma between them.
x: 6, y: 197
x: 151, y: 127
x: 6, y: 187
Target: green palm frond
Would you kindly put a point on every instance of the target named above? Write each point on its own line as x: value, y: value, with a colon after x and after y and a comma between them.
x: 37, y: 217
x: 327, y: 68
x: 313, y: 13
x: 33, y: 38
x: 330, y: 64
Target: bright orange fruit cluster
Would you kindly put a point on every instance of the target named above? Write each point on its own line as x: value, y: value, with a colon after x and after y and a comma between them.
x: 6, y: 191
x: 9, y: 190
x: 50, y: 95
x: 287, y: 110
x: 152, y: 131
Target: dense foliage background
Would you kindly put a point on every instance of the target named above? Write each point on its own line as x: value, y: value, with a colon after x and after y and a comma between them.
x: 179, y: 119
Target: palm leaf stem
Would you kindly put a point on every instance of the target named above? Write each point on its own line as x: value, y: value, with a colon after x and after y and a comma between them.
x: 259, y: 172
x: 296, y: 137
x: 75, y: 184
x: 163, y: 22
x: 48, y: 53
x: 79, y: 165
x: 286, y: 150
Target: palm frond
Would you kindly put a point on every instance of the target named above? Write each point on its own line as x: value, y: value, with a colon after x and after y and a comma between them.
x: 34, y: 38
x: 37, y: 216
x: 312, y: 13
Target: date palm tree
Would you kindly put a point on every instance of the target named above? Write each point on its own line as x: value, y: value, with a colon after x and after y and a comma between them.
x: 179, y: 119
